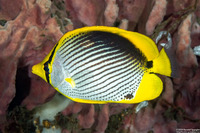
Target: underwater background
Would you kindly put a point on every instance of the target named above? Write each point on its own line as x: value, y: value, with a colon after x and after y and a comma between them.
x: 30, y: 28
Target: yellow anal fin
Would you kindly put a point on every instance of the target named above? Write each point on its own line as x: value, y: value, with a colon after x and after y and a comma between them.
x: 71, y: 82
x: 82, y: 100
x: 150, y: 88
x: 88, y: 101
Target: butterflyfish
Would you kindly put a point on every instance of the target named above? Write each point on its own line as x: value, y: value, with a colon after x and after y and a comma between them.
x: 102, y: 64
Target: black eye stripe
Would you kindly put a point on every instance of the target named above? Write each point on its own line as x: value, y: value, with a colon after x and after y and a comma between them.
x: 51, y: 56
x: 46, y: 64
x: 46, y: 67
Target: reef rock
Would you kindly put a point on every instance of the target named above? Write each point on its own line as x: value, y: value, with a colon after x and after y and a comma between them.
x: 25, y: 41
x: 30, y: 29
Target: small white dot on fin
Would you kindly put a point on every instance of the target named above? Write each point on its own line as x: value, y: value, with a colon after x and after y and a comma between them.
x: 140, y: 106
x: 71, y: 82
x: 169, y: 39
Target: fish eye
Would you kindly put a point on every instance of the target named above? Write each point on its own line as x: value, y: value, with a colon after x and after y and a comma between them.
x: 46, y: 68
x: 149, y: 64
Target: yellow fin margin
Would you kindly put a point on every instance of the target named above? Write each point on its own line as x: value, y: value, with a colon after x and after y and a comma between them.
x: 142, y: 42
x: 83, y: 100
x: 150, y: 88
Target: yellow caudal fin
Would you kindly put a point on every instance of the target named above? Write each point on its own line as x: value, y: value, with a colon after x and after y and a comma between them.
x: 165, y: 64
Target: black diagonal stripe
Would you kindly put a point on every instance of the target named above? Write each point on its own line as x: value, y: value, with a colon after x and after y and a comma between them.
x: 70, y: 45
x: 128, y: 71
x: 122, y: 84
x: 108, y: 53
x: 76, y: 42
x: 113, y: 40
x: 104, y: 71
x: 67, y: 45
x: 46, y: 64
x: 85, y: 41
x: 120, y: 42
x: 129, y: 75
x: 92, y: 60
x: 75, y: 60
x: 100, y: 67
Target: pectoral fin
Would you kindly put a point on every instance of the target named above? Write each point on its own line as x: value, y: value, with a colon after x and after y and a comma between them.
x: 71, y: 82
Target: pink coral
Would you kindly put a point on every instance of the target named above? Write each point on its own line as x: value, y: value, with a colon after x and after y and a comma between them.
x: 31, y: 32
x: 182, y: 4
x: 156, y: 15
x: 131, y: 10
x: 23, y: 44
x: 86, y: 116
x: 186, y: 55
x: 144, y: 120
x: 103, y: 119
x: 87, y: 12
x: 9, y: 11
x: 111, y: 12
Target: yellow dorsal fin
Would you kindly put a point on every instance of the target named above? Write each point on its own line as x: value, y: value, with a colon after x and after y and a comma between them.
x: 142, y: 42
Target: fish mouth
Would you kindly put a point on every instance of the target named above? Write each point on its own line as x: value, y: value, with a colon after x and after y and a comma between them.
x: 38, y: 70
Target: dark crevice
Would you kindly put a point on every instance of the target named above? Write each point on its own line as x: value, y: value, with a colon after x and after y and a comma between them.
x: 3, y: 22
x: 22, y: 85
